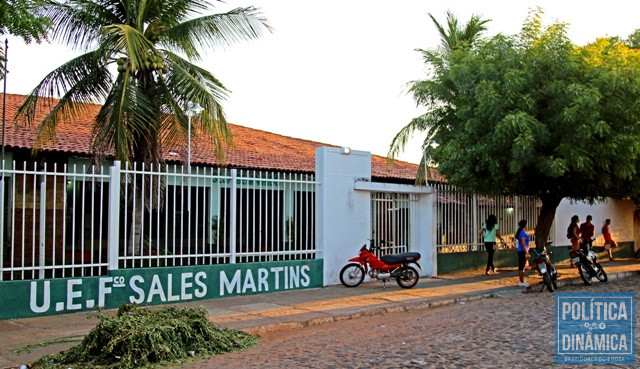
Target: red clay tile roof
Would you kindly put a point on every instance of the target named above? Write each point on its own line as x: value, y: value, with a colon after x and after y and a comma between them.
x: 254, y: 149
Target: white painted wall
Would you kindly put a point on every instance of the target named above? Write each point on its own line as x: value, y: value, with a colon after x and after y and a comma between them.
x: 424, y: 234
x: 343, y: 214
x: 343, y: 211
x: 621, y: 213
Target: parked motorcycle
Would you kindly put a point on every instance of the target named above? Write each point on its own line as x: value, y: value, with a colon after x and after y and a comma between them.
x: 587, y: 265
x: 387, y: 267
x: 541, y: 262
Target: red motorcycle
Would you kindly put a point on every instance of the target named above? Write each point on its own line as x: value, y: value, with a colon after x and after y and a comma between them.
x: 389, y: 266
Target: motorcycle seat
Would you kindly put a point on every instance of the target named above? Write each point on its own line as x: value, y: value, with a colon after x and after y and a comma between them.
x: 401, y: 258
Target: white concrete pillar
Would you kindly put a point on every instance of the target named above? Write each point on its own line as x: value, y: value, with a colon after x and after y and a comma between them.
x: 424, y: 235
x: 343, y: 214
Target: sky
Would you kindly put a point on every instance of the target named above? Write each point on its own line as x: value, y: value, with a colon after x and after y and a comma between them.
x: 337, y: 71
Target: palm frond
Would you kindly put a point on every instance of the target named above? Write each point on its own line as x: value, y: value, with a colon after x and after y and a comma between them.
x: 77, y: 23
x: 444, y: 35
x: 454, y: 35
x: 474, y: 27
x: 129, y: 41
x: 126, y: 116
x: 419, y: 124
x: 216, y: 30
x: 144, y: 107
x: 173, y: 119
x: 81, y: 81
x: 192, y: 83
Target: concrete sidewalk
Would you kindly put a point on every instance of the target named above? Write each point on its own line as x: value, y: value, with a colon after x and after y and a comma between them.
x: 256, y: 314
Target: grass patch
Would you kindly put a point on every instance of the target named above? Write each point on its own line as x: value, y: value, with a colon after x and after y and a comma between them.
x: 147, y: 338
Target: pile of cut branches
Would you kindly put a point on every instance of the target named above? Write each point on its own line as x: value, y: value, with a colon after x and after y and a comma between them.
x: 139, y: 337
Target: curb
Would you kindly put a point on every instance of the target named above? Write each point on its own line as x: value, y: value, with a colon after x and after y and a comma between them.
x: 270, y: 328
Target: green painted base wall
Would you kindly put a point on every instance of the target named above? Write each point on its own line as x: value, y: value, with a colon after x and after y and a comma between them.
x: 477, y: 260
x: 154, y: 286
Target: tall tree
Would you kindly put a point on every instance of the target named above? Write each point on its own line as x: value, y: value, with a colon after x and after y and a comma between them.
x: 454, y: 37
x: 532, y: 114
x: 153, y: 44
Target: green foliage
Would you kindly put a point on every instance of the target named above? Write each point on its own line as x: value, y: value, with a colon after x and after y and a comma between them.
x: 633, y: 41
x: 139, y: 337
x: 535, y: 114
x: 532, y: 114
x: 454, y: 37
x: 21, y: 18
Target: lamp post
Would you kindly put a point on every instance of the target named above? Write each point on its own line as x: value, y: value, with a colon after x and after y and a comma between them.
x: 192, y: 109
x: 4, y: 96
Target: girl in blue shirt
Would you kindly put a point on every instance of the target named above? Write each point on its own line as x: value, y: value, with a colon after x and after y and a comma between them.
x: 523, y: 250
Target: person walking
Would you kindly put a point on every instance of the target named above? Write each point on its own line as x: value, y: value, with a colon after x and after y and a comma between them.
x: 523, y: 251
x: 573, y: 233
x: 491, y: 232
x: 587, y: 232
x: 609, y: 243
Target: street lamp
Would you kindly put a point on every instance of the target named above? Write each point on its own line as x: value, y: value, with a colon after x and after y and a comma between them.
x: 192, y: 109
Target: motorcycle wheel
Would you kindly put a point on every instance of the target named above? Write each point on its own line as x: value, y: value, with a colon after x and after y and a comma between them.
x: 546, y: 278
x: 601, y: 274
x: 584, y: 274
x: 554, y: 276
x: 408, y: 277
x: 352, y: 275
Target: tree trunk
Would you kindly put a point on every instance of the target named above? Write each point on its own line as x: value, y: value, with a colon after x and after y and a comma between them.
x: 135, y: 239
x: 137, y: 216
x: 545, y: 218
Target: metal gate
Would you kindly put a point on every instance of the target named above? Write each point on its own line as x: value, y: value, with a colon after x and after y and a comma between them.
x: 460, y: 215
x: 391, y: 220
x: 59, y: 221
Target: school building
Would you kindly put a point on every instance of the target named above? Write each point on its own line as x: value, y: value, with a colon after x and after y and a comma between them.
x: 278, y: 213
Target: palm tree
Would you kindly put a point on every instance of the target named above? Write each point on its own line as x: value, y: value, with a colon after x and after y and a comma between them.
x: 453, y: 37
x: 152, y: 43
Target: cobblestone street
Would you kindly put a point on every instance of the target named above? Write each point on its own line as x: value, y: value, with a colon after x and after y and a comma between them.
x: 511, y: 330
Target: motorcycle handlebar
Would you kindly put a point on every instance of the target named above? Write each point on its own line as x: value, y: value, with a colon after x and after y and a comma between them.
x: 373, y: 246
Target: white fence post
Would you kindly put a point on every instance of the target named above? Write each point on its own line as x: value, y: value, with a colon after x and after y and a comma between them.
x: 2, y: 179
x: 113, y: 238
x: 233, y: 200
x: 474, y: 219
x: 43, y: 225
